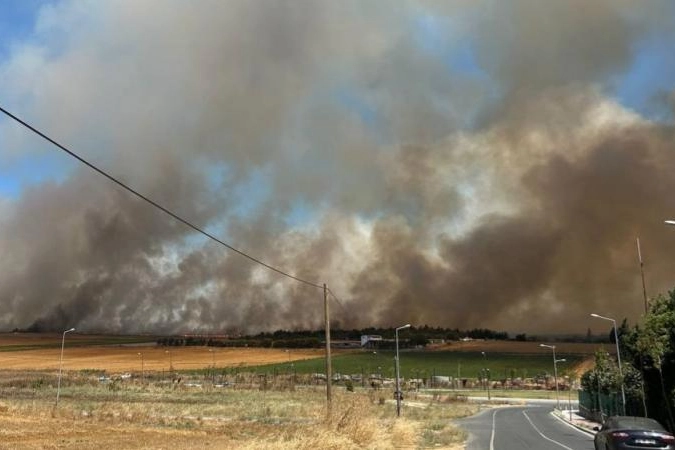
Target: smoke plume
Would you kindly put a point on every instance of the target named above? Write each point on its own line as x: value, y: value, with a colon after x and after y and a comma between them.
x: 450, y: 164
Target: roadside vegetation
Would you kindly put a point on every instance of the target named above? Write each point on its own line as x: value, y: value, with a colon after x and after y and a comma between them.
x: 648, y: 371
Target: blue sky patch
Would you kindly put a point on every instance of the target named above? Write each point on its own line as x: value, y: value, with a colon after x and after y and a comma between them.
x: 17, y: 19
x: 651, y: 75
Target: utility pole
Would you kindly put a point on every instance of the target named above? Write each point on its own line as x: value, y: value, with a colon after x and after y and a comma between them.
x: 644, y: 296
x: 329, y: 369
x: 642, y: 274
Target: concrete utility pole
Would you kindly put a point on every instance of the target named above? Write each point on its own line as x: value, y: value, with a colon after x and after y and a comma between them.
x: 329, y: 369
x: 642, y: 274
x: 644, y: 296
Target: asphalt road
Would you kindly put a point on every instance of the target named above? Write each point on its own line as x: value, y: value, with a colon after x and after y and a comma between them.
x: 522, y: 428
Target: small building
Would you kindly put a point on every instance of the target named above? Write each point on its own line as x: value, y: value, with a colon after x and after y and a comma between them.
x: 370, y: 340
x: 344, y: 344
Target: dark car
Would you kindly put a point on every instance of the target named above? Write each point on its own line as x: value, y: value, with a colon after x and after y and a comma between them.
x: 624, y: 432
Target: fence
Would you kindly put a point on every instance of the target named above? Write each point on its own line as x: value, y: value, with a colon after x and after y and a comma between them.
x: 597, y: 406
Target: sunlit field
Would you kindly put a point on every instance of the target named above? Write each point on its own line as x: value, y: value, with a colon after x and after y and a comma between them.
x: 130, y: 393
x: 135, y: 394
x: 179, y: 412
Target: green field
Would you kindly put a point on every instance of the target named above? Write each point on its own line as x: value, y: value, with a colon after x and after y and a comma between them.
x: 423, y: 364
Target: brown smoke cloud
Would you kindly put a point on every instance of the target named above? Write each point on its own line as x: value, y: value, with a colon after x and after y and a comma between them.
x: 234, y: 113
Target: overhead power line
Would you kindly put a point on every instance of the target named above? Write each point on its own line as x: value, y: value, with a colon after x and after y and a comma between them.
x: 337, y: 300
x: 155, y: 204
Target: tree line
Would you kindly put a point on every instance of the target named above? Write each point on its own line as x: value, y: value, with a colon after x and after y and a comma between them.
x: 413, y: 336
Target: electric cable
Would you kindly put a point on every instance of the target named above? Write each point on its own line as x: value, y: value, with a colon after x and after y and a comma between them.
x: 155, y: 204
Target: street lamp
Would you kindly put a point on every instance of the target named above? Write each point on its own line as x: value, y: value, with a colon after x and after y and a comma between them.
x: 63, y: 343
x: 398, y: 382
x: 213, y: 368
x: 555, y: 373
x: 487, y: 375
x: 142, y: 367
x: 669, y: 222
x: 170, y: 361
x: 618, y: 352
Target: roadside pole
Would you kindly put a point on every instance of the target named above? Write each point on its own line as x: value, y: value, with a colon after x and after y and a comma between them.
x: 329, y: 369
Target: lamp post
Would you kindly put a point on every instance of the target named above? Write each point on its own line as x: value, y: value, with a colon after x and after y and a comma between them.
x: 556, y: 362
x: 398, y: 382
x: 63, y: 343
x: 213, y: 365
x: 142, y: 367
x: 487, y: 375
x: 618, y: 352
x: 170, y: 361
x: 555, y: 373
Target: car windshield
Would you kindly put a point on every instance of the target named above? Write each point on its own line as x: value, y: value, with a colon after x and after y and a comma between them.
x: 634, y: 423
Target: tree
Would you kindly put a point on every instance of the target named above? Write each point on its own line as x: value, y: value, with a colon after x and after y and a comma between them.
x: 657, y: 342
x: 604, y: 377
x: 651, y: 350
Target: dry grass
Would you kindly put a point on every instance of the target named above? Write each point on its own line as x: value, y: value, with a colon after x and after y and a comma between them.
x: 158, y: 416
x: 155, y: 413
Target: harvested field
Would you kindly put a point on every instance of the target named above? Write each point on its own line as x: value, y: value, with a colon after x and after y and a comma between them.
x: 114, y: 354
x: 154, y: 358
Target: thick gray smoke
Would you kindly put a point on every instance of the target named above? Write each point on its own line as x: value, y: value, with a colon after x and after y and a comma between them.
x: 339, y: 142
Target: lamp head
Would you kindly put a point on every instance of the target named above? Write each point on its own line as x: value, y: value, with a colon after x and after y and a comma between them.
x: 68, y: 331
x: 669, y: 222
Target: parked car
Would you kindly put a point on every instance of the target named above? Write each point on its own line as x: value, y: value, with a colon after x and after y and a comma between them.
x: 625, y: 432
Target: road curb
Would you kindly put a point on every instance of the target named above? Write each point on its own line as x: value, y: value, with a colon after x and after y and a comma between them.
x: 561, y: 417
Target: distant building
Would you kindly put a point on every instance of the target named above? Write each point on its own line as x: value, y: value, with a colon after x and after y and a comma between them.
x: 344, y: 344
x: 370, y: 340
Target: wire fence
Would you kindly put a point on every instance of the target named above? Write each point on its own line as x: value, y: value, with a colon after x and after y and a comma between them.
x: 597, y: 406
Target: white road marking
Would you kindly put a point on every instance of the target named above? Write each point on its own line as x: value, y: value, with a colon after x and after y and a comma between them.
x: 542, y: 434
x: 492, y: 438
